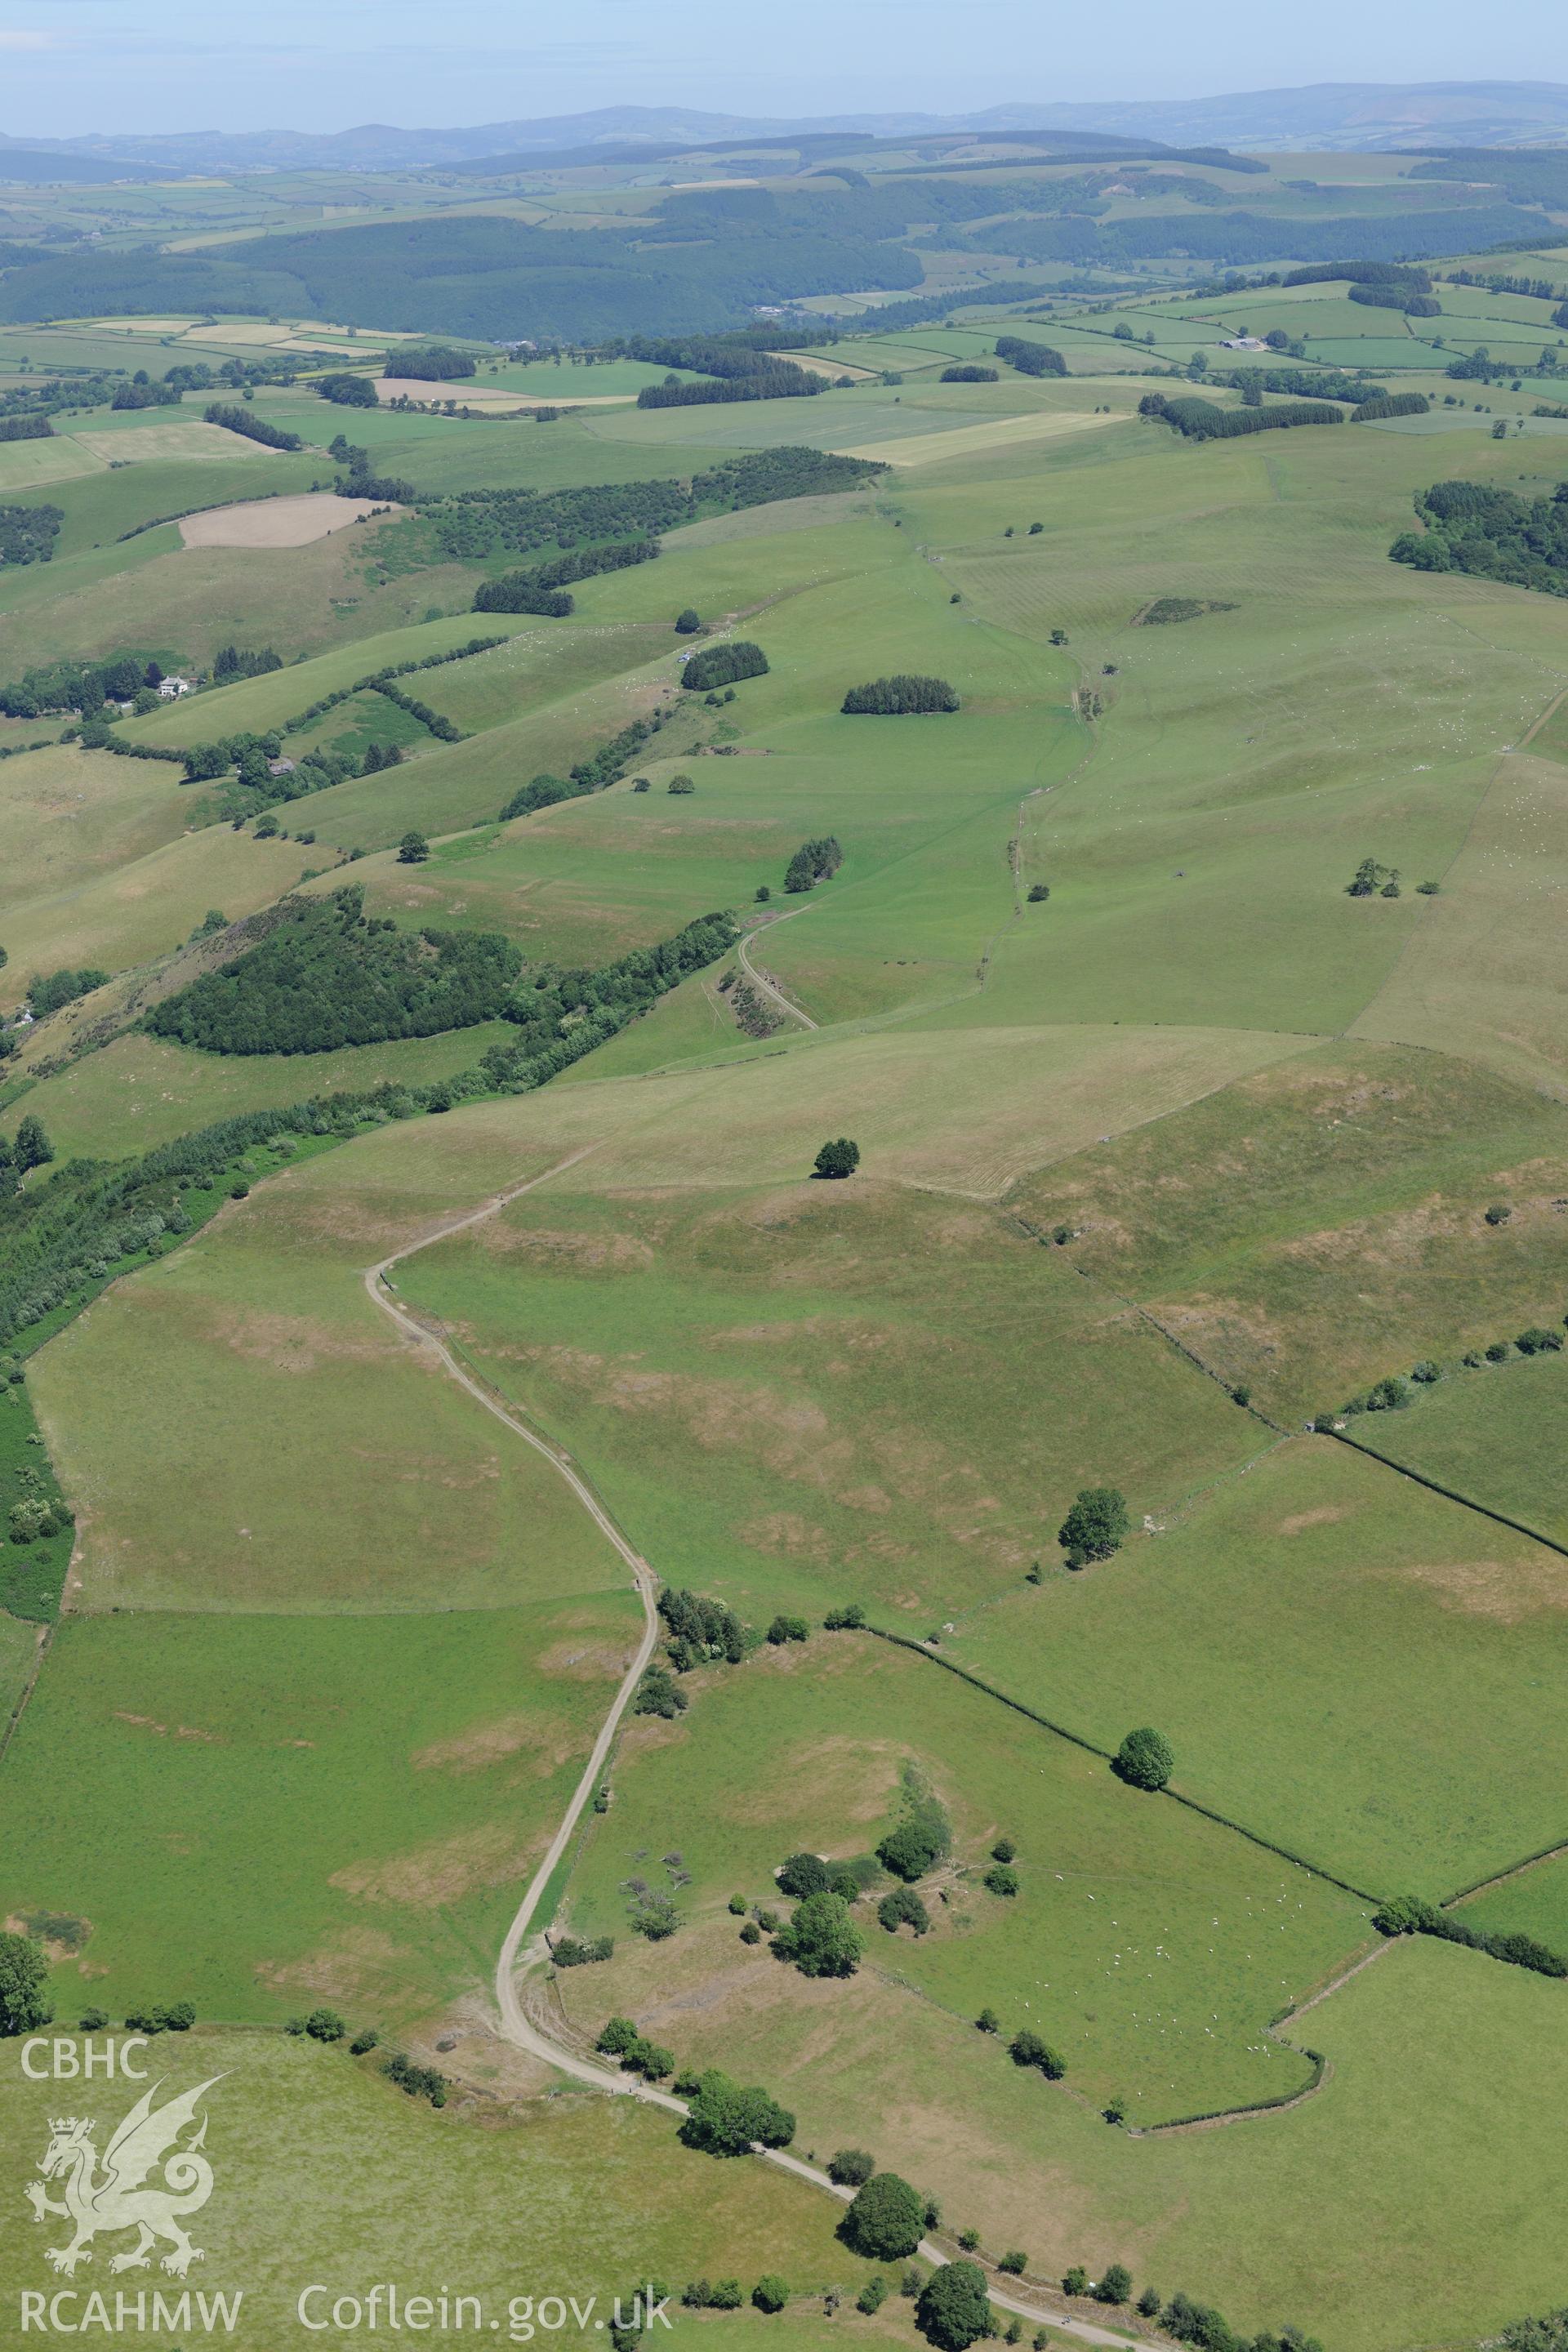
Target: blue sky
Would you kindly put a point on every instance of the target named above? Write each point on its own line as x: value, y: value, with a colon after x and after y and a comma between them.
x: 75, y: 65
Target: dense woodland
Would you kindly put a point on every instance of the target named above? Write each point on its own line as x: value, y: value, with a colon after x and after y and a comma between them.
x: 329, y: 976
x: 1470, y: 527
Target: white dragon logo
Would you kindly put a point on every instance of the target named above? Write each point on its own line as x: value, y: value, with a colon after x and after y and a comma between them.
x: 117, y: 2199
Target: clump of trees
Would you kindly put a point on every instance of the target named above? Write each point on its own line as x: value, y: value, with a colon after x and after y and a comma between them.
x: 1197, y: 419
x: 51, y: 992
x: 1030, y: 358
x: 571, y: 1952
x: 543, y: 589
x: 1472, y: 527
x: 244, y: 421
x: 23, y: 1972
x: 27, y: 534
x: 1030, y: 2049
x: 1371, y: 879
x: 162, y: 2017
x: 348, y: 391
x: 417, y: 2081
x: 1145, y: 1760
x: 659, y: 1694
x: 1096, y: 1526
x: 902, y: 696
x: 922, y: 1838
x: 1390, y: 403
x: 721, y: 664
x: 702, y: 1629
x: 954, y: 2310
x: 968, y: 372
x: 903, y: 1908
x: 431, y: 363
x: 813, y: 861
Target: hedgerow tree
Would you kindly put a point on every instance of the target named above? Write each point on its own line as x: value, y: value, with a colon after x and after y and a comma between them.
x: 1095, y: 1527
x: 822, y: 1939
x: 413, y: 849
x: 886, y: 2219
x: 851, y: 2167
x: 1145, y: 1760
x: 954, y: 2310
x: 23, y: 1968
x: 1028, y: 2049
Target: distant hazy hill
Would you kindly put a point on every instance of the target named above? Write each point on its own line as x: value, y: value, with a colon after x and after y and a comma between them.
x: 1328, y: 115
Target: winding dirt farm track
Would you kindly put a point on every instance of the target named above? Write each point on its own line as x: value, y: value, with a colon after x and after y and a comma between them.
x: 521, y: 2030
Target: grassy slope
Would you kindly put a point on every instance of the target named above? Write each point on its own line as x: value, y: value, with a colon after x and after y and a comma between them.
x: 1148, y: 1945
x: 359, y: 1799
x: 241, y: 1430
x: 582, y: 2197
x: 1496, y: 1435
x: 1343, y: 1662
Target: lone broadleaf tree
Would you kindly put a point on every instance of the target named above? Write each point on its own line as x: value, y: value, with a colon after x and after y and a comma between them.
x: 1095, y: 1525
x: 886, y: 2219
x: 954, y: 2311
x: 22, y: 1969
x: 839, y: 1158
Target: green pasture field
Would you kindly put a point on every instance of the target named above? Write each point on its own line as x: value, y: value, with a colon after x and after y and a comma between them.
x: 1317, y: 1226
x: 143, y: 910
x: 803, y: 1392
x: 190, y: 600
x: 1533, y: 1902
x: 1269, y: 1117
x: 1105, y: 1950
x: 25, y: 464
x: 71, y: 820
x: 138, y: 1092
x: 252, y: 704
x: 362, y: 1799
x: 1479, y: 979
x: 578, y: 2194
x: 1496, y: 1435
x: 1374, y: 350
x: 100, y: 507
x: 1343, y: 1662
x: 365, y: 719
x: 174, y: 1404
x: 1213, y: 751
